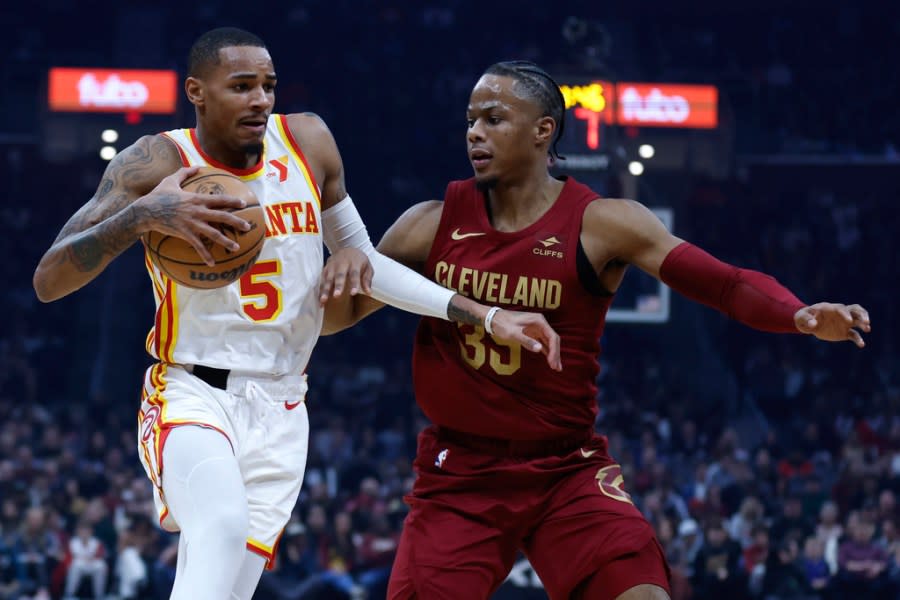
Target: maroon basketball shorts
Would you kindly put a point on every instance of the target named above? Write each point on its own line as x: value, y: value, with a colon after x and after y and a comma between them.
x: 476, y: 504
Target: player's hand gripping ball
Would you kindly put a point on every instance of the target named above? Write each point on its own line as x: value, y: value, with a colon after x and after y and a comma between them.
x: 179, y: 260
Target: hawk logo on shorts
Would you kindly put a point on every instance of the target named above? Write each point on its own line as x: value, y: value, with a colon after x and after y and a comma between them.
x: 148, y: 422
x: 441, y: 457
x: 612, y: 484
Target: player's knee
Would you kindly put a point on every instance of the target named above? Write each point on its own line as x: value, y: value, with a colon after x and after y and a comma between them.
x: 228, y: 523
x: 596, y: 587
x: 644, y: 591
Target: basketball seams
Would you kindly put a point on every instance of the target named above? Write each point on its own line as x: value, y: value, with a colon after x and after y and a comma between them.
x: 162, y: 238
x: 200, y: 263
x: 196, y: 178
x: 162, y: 266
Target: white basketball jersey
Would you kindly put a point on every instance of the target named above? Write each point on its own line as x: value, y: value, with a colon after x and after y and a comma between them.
x: 269, y: 320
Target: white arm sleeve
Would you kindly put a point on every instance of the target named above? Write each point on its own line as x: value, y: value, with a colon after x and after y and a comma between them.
x: 392, y: 283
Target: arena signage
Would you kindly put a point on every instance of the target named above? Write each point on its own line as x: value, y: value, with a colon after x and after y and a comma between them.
x: 112, y: 90
x: 667, y: 105
x: 640, y: 105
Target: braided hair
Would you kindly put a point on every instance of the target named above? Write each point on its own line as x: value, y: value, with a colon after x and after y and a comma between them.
x: 539, y: 87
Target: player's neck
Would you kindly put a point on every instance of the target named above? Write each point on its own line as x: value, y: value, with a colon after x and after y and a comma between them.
x: 515, y: 206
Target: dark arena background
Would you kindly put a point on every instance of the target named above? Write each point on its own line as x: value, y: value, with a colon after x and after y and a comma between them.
x: 766, y: 133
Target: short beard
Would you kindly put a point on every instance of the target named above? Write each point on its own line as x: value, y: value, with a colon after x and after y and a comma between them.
x: 487, y: 184
x: 252, y: 150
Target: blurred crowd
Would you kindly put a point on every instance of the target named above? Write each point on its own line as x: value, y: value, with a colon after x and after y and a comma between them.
x: 783, y: 487
x: 769, y: 465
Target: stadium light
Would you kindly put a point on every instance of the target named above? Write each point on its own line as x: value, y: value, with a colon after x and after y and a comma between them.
x: 107, y: 152
x: 110, y: 136
x: 646, y: 151
x: 635, y: 168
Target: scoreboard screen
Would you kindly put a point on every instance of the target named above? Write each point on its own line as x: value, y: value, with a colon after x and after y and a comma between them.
x: 592, y: 106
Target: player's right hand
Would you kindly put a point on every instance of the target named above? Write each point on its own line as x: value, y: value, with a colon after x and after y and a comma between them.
x: 171, y: 210
x: 531, y: 330
x: 834, y: 322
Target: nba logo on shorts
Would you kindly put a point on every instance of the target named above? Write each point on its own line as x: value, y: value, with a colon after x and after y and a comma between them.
x: 441, y: 457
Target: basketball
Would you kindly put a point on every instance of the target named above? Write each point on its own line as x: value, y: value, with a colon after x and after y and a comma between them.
x: 177, y: 258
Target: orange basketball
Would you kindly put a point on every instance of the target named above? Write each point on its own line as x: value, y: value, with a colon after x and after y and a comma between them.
x: 177, y: 258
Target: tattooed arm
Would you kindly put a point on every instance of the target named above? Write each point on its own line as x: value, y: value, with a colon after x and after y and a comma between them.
x: 140, y: 191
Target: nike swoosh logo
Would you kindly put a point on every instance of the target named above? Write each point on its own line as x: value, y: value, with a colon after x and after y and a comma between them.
x: 288, y: 406
x: 587, y: 453
x: 456, y: 235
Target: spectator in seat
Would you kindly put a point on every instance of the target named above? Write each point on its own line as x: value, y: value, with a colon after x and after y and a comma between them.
x: 37, y: 552
x: 791, y: 523
x: 784, y: 579
x: 87, y: 560
x: 755, y: 557
x: 717, y: 572
x: 9, y: 581
x: 131, y: 570
x: 862, y: 564
x: 817, y: 571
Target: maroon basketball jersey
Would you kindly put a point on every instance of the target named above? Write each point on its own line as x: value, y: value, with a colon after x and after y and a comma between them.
x: 466, y: 380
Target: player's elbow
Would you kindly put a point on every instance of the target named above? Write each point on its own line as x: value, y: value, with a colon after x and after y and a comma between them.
x: 340, y: 314
x: 43, y: 286
x: 41, y: 289
x: 332, y: 328
x: 332, y: 325
x: 344, y: 313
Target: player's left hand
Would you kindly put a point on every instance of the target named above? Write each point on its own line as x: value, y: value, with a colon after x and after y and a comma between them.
x: 834, y: 322
x: 532, y: 331
x: 347, y: 269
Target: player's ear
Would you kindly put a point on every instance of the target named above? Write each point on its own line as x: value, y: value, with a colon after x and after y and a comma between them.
x: 545, y: 128
x: 193, y: 87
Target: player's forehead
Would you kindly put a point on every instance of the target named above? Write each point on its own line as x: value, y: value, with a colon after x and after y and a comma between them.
x: 496, y: 91
x: 244, y: 61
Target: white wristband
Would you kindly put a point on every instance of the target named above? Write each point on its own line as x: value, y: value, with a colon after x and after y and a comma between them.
x: 489, y: 318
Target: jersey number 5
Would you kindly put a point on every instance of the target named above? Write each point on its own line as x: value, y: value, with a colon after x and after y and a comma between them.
x: 262, y: 295
x: 504, y: 358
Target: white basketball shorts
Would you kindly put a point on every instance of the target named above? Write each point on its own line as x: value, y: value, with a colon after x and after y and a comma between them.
x: 266, y: 422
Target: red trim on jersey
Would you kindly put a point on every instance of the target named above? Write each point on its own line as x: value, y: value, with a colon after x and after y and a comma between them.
x: 269, y: 556
x: 167, y: 351
x: 164, y: 431
x: 271, y: 564
x: 184, y: 159
x: 158, y: 332
x: 220, y: 165
x: 753, y: 298
x: 296, y: 147
x: 166, y: 428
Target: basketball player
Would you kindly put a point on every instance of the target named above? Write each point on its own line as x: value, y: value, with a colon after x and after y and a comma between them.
x: 223, y: 427
x: 512, y: 461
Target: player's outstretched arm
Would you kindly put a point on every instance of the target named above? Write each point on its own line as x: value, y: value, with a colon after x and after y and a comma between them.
x: 393, y: 283
x: 347, y: 273
x: 140, y: 191
x: 632, y: 234
x: 407, y: 244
